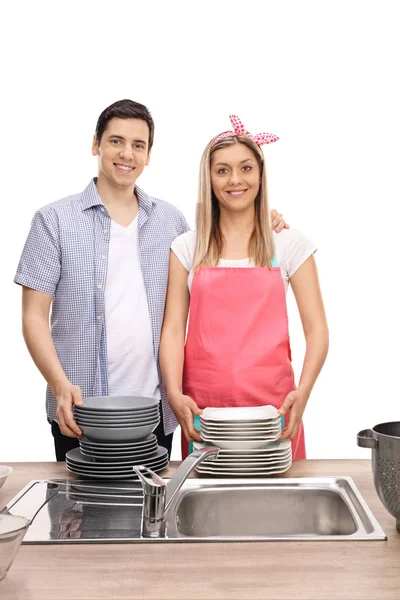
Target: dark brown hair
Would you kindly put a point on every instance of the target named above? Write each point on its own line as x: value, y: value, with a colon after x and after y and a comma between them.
x: 125, y: 109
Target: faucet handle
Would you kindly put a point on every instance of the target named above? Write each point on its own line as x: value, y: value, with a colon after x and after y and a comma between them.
x: 153, y: 484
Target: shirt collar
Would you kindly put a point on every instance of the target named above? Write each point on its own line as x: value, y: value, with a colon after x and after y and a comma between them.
x: 90, y: 197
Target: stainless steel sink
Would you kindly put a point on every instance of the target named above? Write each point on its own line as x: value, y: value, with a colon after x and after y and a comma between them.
x: 301, y: 509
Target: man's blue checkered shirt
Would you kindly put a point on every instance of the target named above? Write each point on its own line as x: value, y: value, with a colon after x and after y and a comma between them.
x: 66, y: 255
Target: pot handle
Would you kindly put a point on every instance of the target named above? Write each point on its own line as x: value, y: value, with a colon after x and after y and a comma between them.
x: 365, y: 439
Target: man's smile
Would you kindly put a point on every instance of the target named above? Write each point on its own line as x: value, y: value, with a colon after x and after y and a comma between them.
x: 123, y: 168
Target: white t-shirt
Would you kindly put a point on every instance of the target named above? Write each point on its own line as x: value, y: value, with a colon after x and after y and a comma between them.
x: 132, y: 369
x: 291, y: 250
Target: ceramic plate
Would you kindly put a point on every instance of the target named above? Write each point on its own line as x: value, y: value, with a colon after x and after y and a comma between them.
x: 250, y: 461
x: 247, y: 468
x: 117, y: 469
x: 76, y: 456
x: 247, y: 413
x: 84, y: 410
x: 119, y: 445
x: 240, y: 424
x: 244, y: 474
x: 117, y: 434
x: 120, y: 424
x: 112, y: 476
x: 267, y: 449
x: 119, y: 402
x: 243, y: 429
x: 249, y: 444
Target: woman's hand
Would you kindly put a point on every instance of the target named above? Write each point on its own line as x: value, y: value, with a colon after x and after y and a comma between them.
x: 184, y: 408
x: 278, y: 223
x: 296, y: 401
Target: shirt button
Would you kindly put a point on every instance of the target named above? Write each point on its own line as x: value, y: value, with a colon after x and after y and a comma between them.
x: 102, y: 209
x: 99, y: 317
x: 99, y: 286
x: 105, y: 230
x: 104, y: 256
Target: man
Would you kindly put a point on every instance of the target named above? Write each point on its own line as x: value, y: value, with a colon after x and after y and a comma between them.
x: 100, y: 259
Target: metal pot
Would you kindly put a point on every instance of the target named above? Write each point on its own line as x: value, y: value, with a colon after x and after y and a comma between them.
x: 384, y: 440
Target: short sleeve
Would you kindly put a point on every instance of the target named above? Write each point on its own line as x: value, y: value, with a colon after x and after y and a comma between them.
x: 39, y: 267
x: 292, y: 250
x: 184, y: 225
x: 183, y: 248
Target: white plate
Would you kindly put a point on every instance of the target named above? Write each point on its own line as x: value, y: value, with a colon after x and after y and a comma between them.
x: 215, y: 466
x: 250, y: 461
x: 246, y: 473
x: 238, y: 430
x: 270, y: 448
x: 241, y: 424
x: 229, y: 435
x: 249, y: 444
x: 247, y: 413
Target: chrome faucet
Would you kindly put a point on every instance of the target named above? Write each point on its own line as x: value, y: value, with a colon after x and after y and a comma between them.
x: 158, y: 496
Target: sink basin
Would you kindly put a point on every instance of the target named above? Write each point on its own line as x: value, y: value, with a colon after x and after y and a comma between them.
x: 284, y: 509
x: 253, y: 512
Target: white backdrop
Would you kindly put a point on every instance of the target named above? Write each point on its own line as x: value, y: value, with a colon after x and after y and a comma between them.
x: 322, y: 75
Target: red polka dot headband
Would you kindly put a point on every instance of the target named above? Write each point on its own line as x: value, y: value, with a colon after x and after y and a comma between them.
x: 239, y: 129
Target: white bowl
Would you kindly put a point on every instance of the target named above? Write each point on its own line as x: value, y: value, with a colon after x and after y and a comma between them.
x: 4, y: 473
x: 12, y: 531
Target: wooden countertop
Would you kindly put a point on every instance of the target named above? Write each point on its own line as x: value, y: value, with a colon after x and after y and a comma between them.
x: 270, y: 570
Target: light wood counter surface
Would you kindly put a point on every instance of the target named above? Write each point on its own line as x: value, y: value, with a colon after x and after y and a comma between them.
x: 270, y: 570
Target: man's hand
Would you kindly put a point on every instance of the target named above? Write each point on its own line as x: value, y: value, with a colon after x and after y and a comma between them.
x: 184, y: 408
x: 67, y: 395
x: 277, y: 221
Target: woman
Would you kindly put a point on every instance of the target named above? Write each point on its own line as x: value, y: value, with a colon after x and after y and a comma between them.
x: 233, y: 273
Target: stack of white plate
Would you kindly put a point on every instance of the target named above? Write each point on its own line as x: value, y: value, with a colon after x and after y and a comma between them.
x: 117, y: 436
x: 117, y: 418
x: 272, y: 459
x: 240, y: 427
x: 248, y: 439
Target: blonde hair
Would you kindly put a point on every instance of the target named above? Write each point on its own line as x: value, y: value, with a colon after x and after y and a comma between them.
x: 209, y: 241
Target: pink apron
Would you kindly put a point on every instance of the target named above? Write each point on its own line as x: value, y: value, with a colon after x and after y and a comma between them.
x: 237, y: 350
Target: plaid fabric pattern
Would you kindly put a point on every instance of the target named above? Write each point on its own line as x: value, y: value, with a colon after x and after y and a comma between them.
x: 66, y: 255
